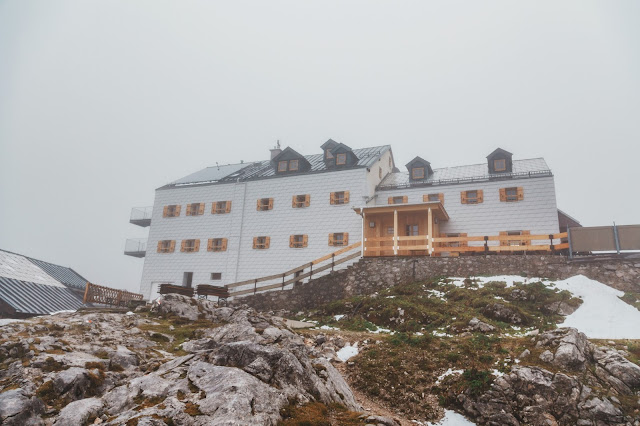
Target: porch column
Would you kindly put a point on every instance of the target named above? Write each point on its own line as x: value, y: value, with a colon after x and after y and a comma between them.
x: 364, y: 240
x: 430, y: 232
x: 395, y: 232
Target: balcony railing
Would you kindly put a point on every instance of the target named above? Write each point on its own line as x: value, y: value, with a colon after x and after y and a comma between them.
x: 135, y: 247
x: 141, y: 216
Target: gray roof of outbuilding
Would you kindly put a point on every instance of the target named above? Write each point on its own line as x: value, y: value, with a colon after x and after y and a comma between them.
x: 66, y: 276
x: 534, y: 167
x: 37, y: 299
x: 264, y: 169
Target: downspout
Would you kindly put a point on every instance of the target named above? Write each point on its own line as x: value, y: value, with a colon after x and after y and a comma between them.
x: 244, y: 202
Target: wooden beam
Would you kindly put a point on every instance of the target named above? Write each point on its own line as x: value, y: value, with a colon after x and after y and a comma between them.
x: 430, y: 231
x: 395, y: 232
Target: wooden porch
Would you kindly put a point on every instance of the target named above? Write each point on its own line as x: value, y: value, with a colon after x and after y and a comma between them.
x: 414, y: 230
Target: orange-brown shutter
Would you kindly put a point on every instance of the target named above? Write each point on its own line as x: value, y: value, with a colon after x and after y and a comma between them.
x: 267, y: 242
x: 214, y: 205
x: 520, y: 193
x: 526, y: 242
x: 390, y: 201
x: 255, y: 242
x: 197, y: 245
x: 346, y: 239
x: 463, y: 197
x: 164, y: 211
x: 332, y: 198
x: 480, y: 196
x: 294, y: 202
x: 331, y: 241
x: 305, y: 240
x: 160, y: 245
x: 405, y: 199
x: 210, y: 244
x: 188, y: 209
x: 503, y: 242
x: 172, y: 247
x: 291, y: 240
x: 270, y: 203
x: 425, y: 198
x: 346, y: 197
x: 307, y: 200
x: 258, y: 204
x: 503, y: 194
x: 201, y: 209
x: 182, y: 245
x: 178, y: 210
x: 224, y: 244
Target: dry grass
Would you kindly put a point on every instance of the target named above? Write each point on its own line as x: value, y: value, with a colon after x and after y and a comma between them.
x: 318, y: 414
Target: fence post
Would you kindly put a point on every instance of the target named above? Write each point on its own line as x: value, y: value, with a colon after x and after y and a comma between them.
x: 255, y: 286
x: 311, y: 271
x: 615, y: 236
x: 333, y: 261
x: 486, y: 244
x: 283, y: 275
x: 553, y: 248
x: 569, y: 240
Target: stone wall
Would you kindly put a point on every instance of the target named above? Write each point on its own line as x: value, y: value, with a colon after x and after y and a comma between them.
x: 373, y: 274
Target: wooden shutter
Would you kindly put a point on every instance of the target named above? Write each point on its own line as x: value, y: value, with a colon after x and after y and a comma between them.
x: 503, y: 194
x: 291, y: 240
x: 307, y: 200
x: 201, y: 208
x: 210, y: 244
x: 405, y: 199
x: 305, y: 240
x: 258, y: 204
x: 182, y: 245
x: 267, y: 242
x: 346, y: 197
x: 345, y: 239
x: 526, y: 242
x: 270, y: 203
x: 214, y: 206
x: 294, y: 201
x: 520, y: 193
x: 332, y: 198
x: 188, y: 209
x: 196, y: 247
x: 463, y: 197
x: 178, y: 210
x: 224, y: 244
x: 390, y: 200
x: 160, y: 245
x: 164, y: 211
x: 425, y: 198
x: 255, y: 242
x: 331, y: 241
x: 503, y: 242
x: 172, y: 247
x: 480, y: 196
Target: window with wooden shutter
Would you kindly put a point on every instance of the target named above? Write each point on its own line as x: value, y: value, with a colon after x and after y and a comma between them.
x: 282, y: 166
x: 299, y: 201
x: 265, y: 204
x: 171, y: 211
x: 190, y: 246
x: 166, y: 246
x: 511, y: 194
x: 261, y: 243
x: 221, y: 207
x: 293, y: 165
x: 433, y: 198
x: 400, y: 199
x: 500, y: 165
x: 417, y: 173
x: 298, y: 241
x: 339, y: 239
x: 217, y: 244
x: 472, y: 197
x: 195, y: 209
x: 340, y: 197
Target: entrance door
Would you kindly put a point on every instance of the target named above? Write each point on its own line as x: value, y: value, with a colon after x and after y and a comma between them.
x: 187, y: 279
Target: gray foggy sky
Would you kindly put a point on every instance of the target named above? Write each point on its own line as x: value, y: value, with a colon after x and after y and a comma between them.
x: 101, y: 102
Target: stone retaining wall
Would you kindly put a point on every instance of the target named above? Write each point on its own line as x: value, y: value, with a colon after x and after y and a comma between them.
x: 373, y: 274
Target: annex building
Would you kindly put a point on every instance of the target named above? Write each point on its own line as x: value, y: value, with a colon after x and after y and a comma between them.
x: 225, y: 224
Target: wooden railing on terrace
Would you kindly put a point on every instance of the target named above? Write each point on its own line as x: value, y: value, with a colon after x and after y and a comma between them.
x: 297, y: 274
x: 94, y: 293
x: 423, y: 244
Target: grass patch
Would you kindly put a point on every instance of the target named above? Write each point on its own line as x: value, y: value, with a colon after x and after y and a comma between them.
x: 178, y: 329
x: 318, y: 414
x: 632, y: 298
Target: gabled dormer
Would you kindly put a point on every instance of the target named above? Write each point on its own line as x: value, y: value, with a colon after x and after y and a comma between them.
x: 419, y: 169
x: 499, y: 161
x: 342, y: 156
x: 290, y: 161
x: 326, y: 149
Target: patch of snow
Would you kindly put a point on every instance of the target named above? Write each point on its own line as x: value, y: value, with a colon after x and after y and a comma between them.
x: 439, y: 333
x: 129, y: 313
x: 417, y: 333
x: 451, y: 418
x: 5, y: 321
x: 338, y: 317
x: 481, y: 281
x: 391, y: 297
x: 497, y: 373
x: 379, y: 330
x: 347, y: 352
x: 68, y: 311
x: 325, y: 327
x: 449, y: 372
x: 438, y: 294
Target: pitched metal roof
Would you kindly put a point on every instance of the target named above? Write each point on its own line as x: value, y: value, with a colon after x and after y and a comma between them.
x: 66, y: 276
x: 38, y: 299
x: 534, y: 167
x: 264, y: 169
x: 20, y: 267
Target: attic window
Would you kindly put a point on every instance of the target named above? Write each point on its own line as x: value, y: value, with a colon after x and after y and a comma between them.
x: 293, y: 165
x: 328, y: 154
x: 282, y: 166
x: 500, y: 165
x: 341, y: 159
x: 417, y: 173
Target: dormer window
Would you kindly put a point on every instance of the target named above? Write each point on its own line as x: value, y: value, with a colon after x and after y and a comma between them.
x: 328, y: 154
x: 293, y: 165
x: 500, y: 161
x: 500, y: 165
x: 290, y: 161
x: 282, y: 166
x: 417, y: 173
x: 341, y: 159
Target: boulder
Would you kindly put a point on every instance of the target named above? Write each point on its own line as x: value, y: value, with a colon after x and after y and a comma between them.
x: 18, y: 409
x: 476, y: 325
x: 500, y: 312
x: 79, y: 412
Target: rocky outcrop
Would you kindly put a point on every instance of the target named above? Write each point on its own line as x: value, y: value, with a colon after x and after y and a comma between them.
x: 241, y: 369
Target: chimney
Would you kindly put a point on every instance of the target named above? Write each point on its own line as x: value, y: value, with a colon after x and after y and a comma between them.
x: 276, y: 150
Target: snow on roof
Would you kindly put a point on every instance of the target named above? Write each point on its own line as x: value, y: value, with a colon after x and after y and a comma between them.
x: 211, y: 174
x: 19, y: 267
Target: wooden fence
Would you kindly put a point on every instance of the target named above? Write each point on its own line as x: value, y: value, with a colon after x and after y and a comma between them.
x: 297, y: 274
x: 426, y: 245
x: 94, y: 293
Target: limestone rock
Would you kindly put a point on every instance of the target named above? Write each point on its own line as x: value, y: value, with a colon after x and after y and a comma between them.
x: 19, y: 409
x: 79, y: 412
x: 476, y: 325
x: 500, y: 312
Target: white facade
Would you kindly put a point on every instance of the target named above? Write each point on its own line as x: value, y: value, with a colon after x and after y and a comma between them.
x: 369, y: 183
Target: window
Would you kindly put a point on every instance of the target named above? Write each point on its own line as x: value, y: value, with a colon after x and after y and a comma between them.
x: 417, y: 173
x: 298, y: 241
x: 341, y: 159
x: 500, y: 165
x: 433, y: 198
x: 187, y: 279
x: 261, y: 243
x: 471, y: 197
x: 282, y: 166
x: 195, y: 209
x: 379, y: 172
x: 341, y: 197
x: 293, y: 165
x: 339, y: 239
x: 216, y: 276
x: 400, y: 199
x: 265, y: 204
x: 190, y: 246
x: 300, y: 201
x: 221, y: 207
x: 171, y: 211
x: 328, y: 154
x: 217, y: 244
x: 166, y: 246
x: 511, y: 194
x: 411, y: 230
x: 514, y: 242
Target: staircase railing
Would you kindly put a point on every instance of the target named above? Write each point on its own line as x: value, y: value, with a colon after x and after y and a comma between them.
x: 297, y: 274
